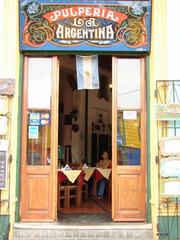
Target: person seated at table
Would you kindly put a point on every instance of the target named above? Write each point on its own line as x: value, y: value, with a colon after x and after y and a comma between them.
x: 105, y: 162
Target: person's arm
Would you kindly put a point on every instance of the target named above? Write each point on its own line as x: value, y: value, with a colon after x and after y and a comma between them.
x: 110, y: 164
x: 98, y: 164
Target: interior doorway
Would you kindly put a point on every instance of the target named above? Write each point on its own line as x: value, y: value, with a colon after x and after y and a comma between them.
x: 85, y: 132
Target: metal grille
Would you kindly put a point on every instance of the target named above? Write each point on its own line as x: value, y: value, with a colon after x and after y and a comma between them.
x: 168, y: 92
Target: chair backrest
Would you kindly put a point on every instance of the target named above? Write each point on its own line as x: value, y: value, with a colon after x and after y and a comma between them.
x: 67, y: 154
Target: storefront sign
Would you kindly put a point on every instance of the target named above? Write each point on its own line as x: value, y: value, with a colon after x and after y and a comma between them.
x: 93, y: 26
x: 168, y: 112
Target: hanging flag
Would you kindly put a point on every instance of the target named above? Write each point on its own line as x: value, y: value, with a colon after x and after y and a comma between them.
x: 87, y: 72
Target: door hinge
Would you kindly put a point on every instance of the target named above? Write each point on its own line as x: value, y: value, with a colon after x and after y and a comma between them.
x: 157, y: 159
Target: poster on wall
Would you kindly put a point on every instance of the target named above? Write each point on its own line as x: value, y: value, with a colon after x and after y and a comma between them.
x: 71, y: 25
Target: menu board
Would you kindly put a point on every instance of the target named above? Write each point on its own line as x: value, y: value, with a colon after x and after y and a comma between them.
x: 3, y: 169
x: 3, y: 163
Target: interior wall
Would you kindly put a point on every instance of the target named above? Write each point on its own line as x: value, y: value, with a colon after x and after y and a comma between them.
x: 98, y: 106
x: 67, y: 100
x: 99, y: 102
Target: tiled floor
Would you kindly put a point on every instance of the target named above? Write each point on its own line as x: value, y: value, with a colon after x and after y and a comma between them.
x: 93, y: 211
x: 84, y: 219
x: 91, y: 205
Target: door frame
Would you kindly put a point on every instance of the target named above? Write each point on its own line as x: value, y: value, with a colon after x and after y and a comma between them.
x: 54, y: 132
x: 51, y: 169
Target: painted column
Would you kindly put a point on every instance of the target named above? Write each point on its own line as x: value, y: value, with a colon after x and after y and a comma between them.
x: 9, y: 68
x: 158, y: 71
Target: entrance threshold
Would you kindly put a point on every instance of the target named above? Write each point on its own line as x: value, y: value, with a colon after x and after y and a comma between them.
x: 57, y: 225
x: 105, y: 231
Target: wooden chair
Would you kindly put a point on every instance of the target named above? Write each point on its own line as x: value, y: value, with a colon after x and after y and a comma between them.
x: 61, y: 197
x: 85, y: 191
x: 65, y: 196
x: 71, y: 193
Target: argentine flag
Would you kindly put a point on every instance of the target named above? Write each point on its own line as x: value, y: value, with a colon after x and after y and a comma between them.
x: 87, y: 72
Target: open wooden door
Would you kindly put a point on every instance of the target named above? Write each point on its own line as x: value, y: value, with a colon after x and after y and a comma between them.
x: 129, y: 140
x: 39, y: 139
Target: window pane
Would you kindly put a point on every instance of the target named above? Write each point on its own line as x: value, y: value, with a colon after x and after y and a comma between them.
x: 128, y: 83
x: 38, y: 139
x: 128, y: 139
x: 173, y: 128
x: 39, y: 77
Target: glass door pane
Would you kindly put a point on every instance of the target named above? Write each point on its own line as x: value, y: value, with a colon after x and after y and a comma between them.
x: 38, y: 139
x: 128, y: 83
x: 128, y: 139
x: 39, y: 83
x: 128, y: 80
x: 39, y: 111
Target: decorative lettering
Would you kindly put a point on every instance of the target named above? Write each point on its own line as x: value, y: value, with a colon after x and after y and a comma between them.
x: 88, y: 33
x: 85, y: 11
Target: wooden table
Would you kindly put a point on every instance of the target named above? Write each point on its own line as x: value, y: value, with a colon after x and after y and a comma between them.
x: 72, y: 176
x: 80, y: 175
x: 97, y: 174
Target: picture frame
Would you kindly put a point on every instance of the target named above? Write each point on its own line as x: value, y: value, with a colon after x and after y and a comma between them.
x: 170, y: 146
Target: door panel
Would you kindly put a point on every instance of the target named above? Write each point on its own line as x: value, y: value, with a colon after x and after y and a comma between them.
x: 129, y: 151
x: 38, y: 190
x: 39, y: 139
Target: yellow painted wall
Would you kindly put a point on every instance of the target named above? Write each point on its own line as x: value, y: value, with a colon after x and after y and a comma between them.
x: 9, y: 68
x: 158, y: 71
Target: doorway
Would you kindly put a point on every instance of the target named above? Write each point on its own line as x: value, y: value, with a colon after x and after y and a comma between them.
x: 112, y: 119
x: 85, y: 127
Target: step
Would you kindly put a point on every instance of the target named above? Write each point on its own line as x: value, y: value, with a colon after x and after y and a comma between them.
x: 117, y: 231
